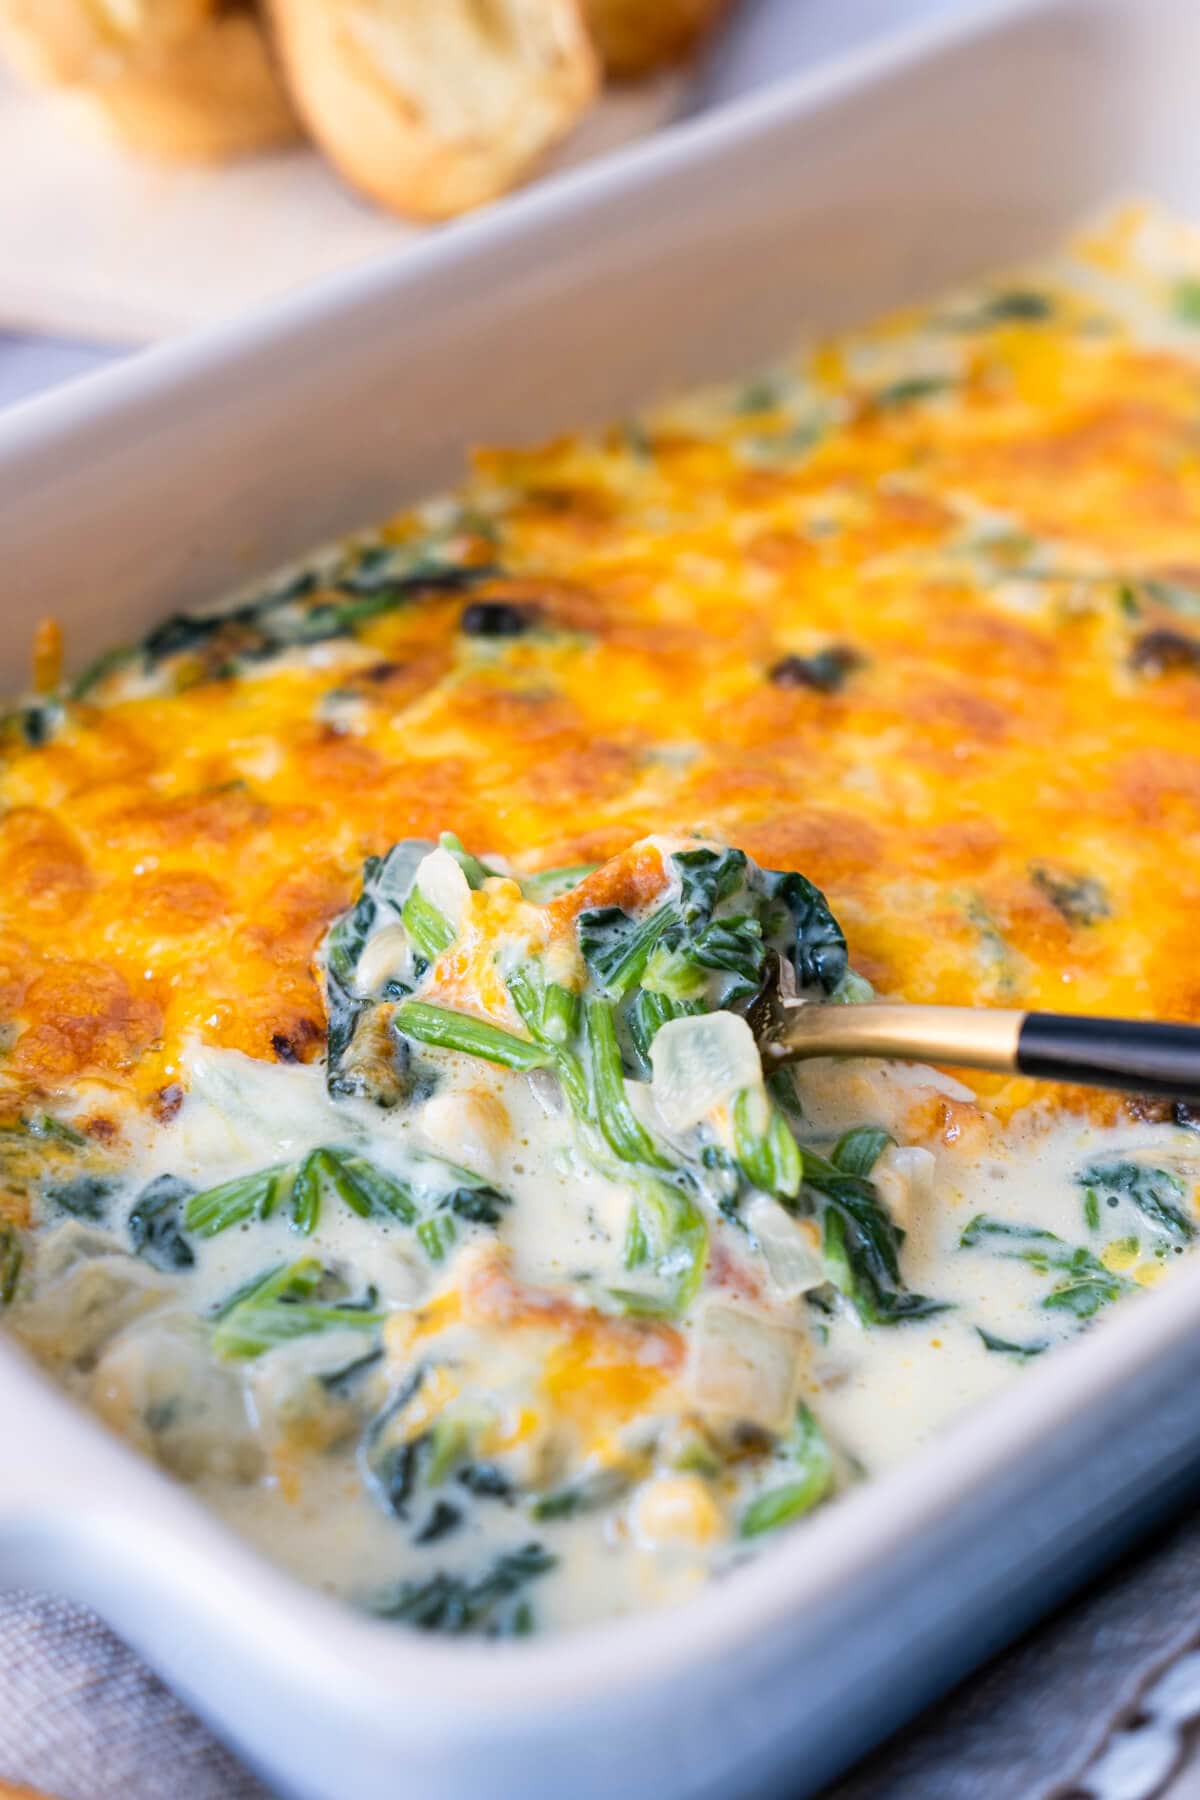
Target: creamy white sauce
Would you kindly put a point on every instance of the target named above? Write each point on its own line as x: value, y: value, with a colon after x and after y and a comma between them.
x: 878, y: 1392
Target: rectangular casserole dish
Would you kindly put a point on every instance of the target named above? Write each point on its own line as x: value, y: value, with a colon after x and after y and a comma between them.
x: 953, y: 151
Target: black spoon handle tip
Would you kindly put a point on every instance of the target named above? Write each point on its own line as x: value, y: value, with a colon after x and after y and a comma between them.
x: 1138, y: 1057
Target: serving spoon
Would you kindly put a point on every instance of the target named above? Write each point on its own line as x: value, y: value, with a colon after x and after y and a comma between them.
x: 1139, y: 1057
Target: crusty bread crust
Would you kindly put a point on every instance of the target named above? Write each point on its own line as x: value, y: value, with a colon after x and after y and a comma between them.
x: 219, y: 98
x: 432, y: 114
x: 635, y: 37
x: 65, y: 42
x: 189, y: 83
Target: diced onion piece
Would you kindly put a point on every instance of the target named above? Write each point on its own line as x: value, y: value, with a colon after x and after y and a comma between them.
x: 387, y: 954
x: 701, y: 1063
x: 291, y: 1403
x: 789, y: 1248
x: 742, y: 1368
x: 74, y: 1316
x: 443, y: 884
x: 159, y: 1387
x: 472, y: 1125
x: 272, y: 1109
x: 903, y: 1178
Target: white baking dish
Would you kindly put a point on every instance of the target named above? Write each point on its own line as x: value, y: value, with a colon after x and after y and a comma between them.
x: 163, y: 483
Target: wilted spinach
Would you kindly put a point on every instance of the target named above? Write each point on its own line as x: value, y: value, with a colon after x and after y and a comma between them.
x: 1156, y: 1193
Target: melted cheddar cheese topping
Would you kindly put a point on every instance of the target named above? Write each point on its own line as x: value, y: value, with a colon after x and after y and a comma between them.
x: 916, y: 616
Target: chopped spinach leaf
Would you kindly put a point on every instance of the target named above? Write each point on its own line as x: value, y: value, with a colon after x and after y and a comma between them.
x: 1025, y: 305
x: 626, y: 1137
x: 766, y: 1151
x: 817, y: 950
x: 497, y: 619
x: 392, y: 1476
x: 308, y: 609
x: 910, y: 389
x: 431, y: 932
x: 1156, y: 1193
x: 1080, y: 899
x: 648, y: 1012
x: 443, y: 1519
x: 399, y: 1472
x: 617, y: 947
x: 381, y: 1194
x: 706, y: 877
x: 587, y: 1494
x: 549, y: 882
x: 475, y: 871
x: 154, y: 1224
x: 550, y: 1012
x: 437, y: 1236
x: 45, y: 1125
x: 807, y: 1453
x: 234, y: 1202
x: 477, y: 1205
x: 37, y: 722
x: 84, y: 1196
x: 1011, y: 306
x: 11, y: 1257
x: 781, y: 1085
x: 485, y: 1480
x: 825, y: 672
x: 1084, y: 1284
x: 325, y: 1174
x: 454, y: 1604
x: 1003, y: 1347
x: 983, y: 1226
x: 320, y: 1177
x: 343, y: 1381
x: 761, y: 395
x: 283, y: 1305
x: 98, y: 671
x: 856, y: 1152
x: 474, y: 1037
x: 667, y: 1237
x: 862, y: 1246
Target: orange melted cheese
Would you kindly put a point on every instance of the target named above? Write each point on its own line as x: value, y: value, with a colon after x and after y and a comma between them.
x: 989, y: 553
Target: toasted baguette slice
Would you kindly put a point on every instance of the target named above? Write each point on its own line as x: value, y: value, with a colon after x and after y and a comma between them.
x: 65, y: 42
x: 213, y: 98
x: 183, y: 80
x: 434, y: 106
x: 636, y: 37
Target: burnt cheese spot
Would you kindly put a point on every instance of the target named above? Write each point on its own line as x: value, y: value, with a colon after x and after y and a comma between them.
x: 1165, y: 652
x: 167, y: 1102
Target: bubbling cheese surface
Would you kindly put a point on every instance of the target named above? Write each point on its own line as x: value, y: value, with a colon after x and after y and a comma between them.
x: 424, y: 1206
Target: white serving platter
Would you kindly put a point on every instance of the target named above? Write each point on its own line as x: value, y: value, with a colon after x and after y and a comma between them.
x: 959, y: 147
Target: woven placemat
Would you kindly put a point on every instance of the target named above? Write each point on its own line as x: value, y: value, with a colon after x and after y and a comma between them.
x: 81, y: 1718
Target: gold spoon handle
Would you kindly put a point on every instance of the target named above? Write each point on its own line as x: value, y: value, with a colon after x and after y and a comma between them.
x: 1132, y: 1054
x: 973, y: 1037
